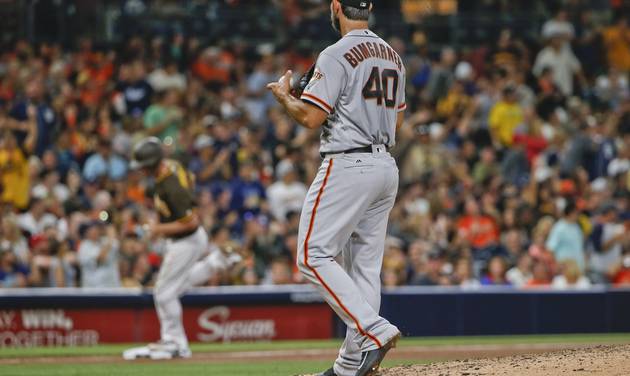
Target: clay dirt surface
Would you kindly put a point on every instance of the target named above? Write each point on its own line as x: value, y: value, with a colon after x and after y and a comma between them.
x: 609, y: 360
x: 456, y: 360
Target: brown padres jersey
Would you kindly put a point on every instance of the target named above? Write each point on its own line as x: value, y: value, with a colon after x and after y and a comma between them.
x: 174, y: 198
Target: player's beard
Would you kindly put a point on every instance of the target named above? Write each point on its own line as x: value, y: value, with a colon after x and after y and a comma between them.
x: 335, y: 21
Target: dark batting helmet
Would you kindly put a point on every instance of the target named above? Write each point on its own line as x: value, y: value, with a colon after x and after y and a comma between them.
x: 147, y: 153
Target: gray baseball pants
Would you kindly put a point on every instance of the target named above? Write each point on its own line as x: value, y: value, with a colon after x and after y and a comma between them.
x: 180, y: 270
x: 345, y: 213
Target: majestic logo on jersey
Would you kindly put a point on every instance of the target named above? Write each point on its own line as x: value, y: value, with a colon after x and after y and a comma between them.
x: 317, y: 75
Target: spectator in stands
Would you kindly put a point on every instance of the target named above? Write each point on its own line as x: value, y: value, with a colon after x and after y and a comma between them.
x: 135, y: 89
x: 258, y: 99
x: 507, y: 53
x: 34, y: 108
x: 463, y: 274
x: 420, y: 155
x: 208, y: 162
x: 135, y: 266
x: 104, y: 163
x: 612, y: 88
x: 622, y: 270
x: 212, y: 67
x: 50, y: 266
x: 167, y: 78
x: 546, y: 82
x: 14, y: 178
x: 559, y: 27
x: 496, y: 273
x: 417, y: 255
x: 505, y: 117
x: 566, y: 239
x: 12, y: 273
x: 288, y: 193
x: 436, y: 273
x: 50, y: 187
x: 570, y: 277
x: 12, y: 239
x: 394, y: 271
x: 512, y: 242
x: 521, y: 274
x: 279, y: 272
x: 37, y: 218
x: 540, y: 276
x: 617, y: 40
x: 486, y: 167
x: 537, y: 249
x: 562, y: 62
x: 480, y: 230
x: 164, y: 118
x: 98, y: 256
x: 441, y: 77
x: 247, y: 274
x: 247, y: 191
x: 607, y: 240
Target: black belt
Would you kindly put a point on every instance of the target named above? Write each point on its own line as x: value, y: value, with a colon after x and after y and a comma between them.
x: 364, y: 149
x: 183, y: 235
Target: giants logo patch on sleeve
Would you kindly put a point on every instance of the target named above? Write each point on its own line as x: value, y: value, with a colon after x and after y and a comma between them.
x: 317, y: 75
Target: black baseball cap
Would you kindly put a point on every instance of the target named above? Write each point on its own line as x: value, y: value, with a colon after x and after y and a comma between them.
x: 361, y: 4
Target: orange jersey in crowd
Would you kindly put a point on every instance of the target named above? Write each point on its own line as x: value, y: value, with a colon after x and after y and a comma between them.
x: 481, y: 231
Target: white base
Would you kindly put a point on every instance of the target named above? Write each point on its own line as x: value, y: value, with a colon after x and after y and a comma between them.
x: 137, y: 353
x: 145, y: 352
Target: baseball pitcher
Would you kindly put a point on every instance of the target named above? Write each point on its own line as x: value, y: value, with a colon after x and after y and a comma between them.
x: 356, y: 93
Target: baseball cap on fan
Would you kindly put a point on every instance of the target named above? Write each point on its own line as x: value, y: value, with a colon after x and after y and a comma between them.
x: 361, y: 4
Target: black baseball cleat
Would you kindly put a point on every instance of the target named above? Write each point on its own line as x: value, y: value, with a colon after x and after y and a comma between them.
x: 329, y: 372
x: 371, y: 360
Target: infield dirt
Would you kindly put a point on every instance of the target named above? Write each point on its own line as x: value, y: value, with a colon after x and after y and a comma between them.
x: 609, y: 360
x: 449, y: 360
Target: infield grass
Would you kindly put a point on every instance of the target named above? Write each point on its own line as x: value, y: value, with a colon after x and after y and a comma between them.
x: 67, y: 367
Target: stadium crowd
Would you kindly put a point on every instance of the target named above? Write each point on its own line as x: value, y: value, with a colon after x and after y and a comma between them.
x: 514, y: 160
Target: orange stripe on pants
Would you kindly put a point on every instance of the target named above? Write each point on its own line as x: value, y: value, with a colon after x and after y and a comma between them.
x: 319, y: 278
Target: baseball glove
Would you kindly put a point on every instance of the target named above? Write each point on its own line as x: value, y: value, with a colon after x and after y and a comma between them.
x: 299, y: 85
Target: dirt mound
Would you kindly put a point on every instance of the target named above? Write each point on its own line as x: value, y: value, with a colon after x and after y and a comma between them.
x: 611, y: 360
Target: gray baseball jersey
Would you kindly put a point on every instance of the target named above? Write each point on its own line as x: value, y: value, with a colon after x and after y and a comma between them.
x: 360, y: 82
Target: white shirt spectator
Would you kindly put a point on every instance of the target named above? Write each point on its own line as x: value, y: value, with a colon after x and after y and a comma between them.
x: 28, y: 222
x: 285, y: 195
x: 603, y: 260
x: 95, y: 273
x: 470, y: 284
x: 59, y: 192
x: 563, y: 64
x: 162, y: 80
x: 554, y: 27
x: 560, y: 283
x: 517, y: 277
x: 618, y: 166
x: 18, y: 247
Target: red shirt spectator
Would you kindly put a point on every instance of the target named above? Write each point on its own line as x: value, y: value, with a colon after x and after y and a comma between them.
x: 213, y: 66
x: 478, y: 229
x: 534, y: 145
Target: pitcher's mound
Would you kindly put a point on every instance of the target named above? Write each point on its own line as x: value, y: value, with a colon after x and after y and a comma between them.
x: 610, y: 360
